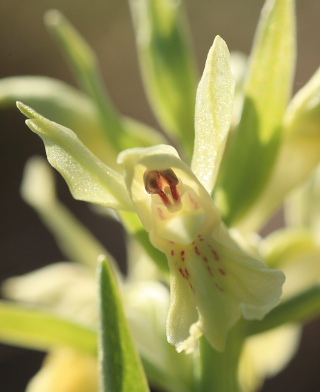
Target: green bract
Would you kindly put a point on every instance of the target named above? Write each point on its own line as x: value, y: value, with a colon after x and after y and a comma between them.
x: 167, y: 65
x: 255, y: 143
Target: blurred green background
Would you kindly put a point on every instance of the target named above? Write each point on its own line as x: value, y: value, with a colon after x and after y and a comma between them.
x: 26, y: 48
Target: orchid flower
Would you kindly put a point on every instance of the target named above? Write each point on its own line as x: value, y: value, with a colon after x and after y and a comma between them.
x: 212, y: 281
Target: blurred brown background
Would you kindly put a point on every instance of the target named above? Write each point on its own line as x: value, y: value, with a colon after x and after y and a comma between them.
x: 26, y: 48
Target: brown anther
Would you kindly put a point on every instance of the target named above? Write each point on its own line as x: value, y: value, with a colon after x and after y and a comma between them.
x: 170, y: 176
x: 173, y: 181
x: 155, y: 182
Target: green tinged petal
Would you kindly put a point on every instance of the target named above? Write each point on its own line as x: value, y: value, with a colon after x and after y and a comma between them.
x: 88, y: 178
x: 256, y: 141
x: 120, y: 366
x: 167, y: 65
x: 214, y: 104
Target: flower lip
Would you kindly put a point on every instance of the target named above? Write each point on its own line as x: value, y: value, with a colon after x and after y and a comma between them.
x: 157, y: 182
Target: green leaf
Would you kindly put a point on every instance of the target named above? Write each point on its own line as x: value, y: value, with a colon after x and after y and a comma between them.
x: 85, y: 67
x: 300, y: 146
x: 167, y: 65
x: 50, y: 96
x: 38, y: 190
x: 301, y: 308
x: 88, y: 178
x: 120, y: 132
x: 42, y: 330
x: 213, y: 114
x: 255, y: 144
x: 121, y: 369
x: 219, y: 371
x: 63, y: 104
x: 66, y: 105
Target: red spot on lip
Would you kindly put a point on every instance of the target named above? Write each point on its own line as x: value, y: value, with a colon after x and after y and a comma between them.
x: 197, y: 250
x: 182, y: 252
x: 219, y: 287
x: 172, y: 252
x: 210, y: 271
x: 182, y: 273
x: 187, y: 272
x: 215, y: 254
x: 222, y: 272
x: 205, y: 259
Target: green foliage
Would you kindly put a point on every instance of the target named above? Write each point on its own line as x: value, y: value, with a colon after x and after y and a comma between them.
x: 120, y: 366
x: 40, y: 329
x: 255, y: 143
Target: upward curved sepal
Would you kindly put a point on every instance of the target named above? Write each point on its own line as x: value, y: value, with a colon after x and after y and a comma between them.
x: 88, y: 178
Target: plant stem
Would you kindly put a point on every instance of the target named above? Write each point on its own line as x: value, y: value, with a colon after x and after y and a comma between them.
x: 219, y: 371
